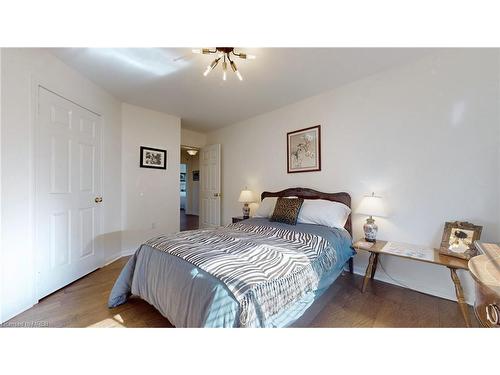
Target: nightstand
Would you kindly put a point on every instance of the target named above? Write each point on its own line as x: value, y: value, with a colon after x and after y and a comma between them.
x: 237, y: 219
x: 412, y: 252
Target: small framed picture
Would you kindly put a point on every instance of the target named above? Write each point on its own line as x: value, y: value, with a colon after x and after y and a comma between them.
x: 196, y: 175
x: 458, y: 239
x: 153, y: 158
x: 304, y: 150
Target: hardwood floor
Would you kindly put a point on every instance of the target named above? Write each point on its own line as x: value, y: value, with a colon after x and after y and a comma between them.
x: 188, y: 222
x: 84, y: 304
x: 382, y: 305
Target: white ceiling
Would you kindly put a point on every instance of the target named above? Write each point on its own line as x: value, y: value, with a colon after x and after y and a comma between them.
x: 150, y: 77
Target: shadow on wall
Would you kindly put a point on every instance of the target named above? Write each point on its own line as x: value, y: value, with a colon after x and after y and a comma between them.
x: 111, y: 245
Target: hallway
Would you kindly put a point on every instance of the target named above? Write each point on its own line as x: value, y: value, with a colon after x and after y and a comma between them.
x: 188, y: 222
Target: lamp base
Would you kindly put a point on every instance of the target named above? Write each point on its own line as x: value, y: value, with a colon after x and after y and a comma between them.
x: 371, y: 230
x: 246, y: 211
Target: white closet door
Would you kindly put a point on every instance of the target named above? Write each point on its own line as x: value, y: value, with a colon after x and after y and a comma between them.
x: 68, y: 192
x: 210, y: 186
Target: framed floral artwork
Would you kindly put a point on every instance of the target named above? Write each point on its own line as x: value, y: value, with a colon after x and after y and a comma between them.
x: 153, y: 158
x: 304, y: 150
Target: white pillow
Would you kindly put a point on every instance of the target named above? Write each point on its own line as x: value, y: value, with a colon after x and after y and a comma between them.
x: 266, y: 207
x: 323, y: 212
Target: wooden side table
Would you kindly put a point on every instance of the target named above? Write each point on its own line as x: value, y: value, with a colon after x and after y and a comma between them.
x: 451, y: 263
x: 237, y: 219
x: 485, y: 270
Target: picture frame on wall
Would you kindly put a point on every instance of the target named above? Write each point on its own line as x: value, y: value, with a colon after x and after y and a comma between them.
x: 154, y: 158
x: 304, y: 150
x: 458, y: 239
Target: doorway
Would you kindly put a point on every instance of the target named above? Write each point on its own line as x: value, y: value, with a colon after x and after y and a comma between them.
x: 210, y: 187
x: 189, y: 188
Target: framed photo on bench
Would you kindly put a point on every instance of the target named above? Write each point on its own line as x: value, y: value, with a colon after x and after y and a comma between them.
x: 458, y: 239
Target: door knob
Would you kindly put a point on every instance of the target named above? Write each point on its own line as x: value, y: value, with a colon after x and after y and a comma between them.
x: 216, y: 195
x: 98, y: 199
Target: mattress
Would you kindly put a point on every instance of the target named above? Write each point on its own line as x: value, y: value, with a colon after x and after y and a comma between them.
x: 190, y: 297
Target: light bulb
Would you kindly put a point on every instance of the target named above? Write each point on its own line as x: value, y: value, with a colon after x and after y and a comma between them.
x: 233, y: 66
x: 224, y: 70
x: 239, y: 75
x: 204, y: 51
x: 245, y: 56
x: 211, y: 66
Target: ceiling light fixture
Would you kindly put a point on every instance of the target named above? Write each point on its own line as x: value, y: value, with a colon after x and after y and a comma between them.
x: 223, y: 53
x: 192, y: 152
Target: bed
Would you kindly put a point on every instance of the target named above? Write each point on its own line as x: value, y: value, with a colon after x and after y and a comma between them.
x: 255, y: 273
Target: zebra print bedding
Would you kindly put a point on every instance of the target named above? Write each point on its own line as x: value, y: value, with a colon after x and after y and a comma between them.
x: 266, y: 268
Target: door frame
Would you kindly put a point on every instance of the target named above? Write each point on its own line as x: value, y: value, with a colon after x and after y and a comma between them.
x: 202, y: 213
x: 34, y: 138
x: 189, y: 175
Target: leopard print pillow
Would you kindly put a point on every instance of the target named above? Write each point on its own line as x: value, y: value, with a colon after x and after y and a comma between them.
x: 287, y: 210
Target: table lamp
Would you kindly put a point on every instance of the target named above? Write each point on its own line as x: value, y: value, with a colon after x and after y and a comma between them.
x: 246, y: 196
x: 371, y: 205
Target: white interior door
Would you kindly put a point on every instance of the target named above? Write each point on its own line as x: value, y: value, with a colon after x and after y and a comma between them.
x: 210, y: 192
x: 68, y: 188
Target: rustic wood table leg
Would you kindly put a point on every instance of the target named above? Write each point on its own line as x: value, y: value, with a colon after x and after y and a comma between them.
x: 460, y: 296
x: 375, y: 263
x: 369, y: 270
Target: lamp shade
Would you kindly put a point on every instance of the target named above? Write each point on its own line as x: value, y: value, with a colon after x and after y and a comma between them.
x: 246, y: 196
x: 372, y: 205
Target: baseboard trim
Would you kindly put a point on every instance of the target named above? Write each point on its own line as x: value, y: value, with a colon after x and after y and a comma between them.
x: 381, y: 276
x: 126, y: 253
x: 112, y: 259
x: 17, y: 312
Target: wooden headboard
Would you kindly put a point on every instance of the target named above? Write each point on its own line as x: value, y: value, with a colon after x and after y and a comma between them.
x: 305, y: 193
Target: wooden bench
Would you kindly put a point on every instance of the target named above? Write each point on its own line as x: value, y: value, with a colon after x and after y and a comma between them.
x: 449, y: 262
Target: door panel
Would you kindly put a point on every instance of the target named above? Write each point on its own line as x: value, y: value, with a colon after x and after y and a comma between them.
x: 210, y: 187
x: 87, y: 160
x: 87, y: 231
x: 60, y: 225
x: 87, y: 127
x: 60, y: 164
x: 68, y: 179
x: 60, y: 116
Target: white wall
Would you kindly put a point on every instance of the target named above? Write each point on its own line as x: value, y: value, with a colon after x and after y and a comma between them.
x: 20, y: 69
x: 192, y: 138
x: 1, y: 252
x: 425, y: 136
x: 498, y: 151
x: 150, y: 201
